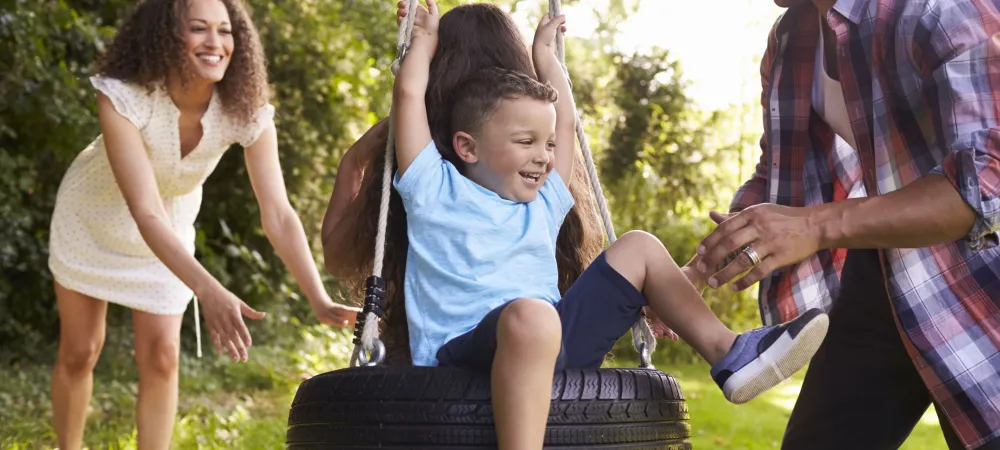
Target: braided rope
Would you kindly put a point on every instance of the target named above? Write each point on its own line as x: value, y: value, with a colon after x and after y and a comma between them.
x: 369, y: 334
x: 642, y: 335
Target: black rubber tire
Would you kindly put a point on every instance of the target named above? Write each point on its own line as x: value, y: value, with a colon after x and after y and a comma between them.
x: 433, y: 407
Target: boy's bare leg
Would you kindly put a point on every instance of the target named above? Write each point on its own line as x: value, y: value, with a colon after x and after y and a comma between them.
x: 643, y: 260
x: 529, y: 336
x: 743, y: 366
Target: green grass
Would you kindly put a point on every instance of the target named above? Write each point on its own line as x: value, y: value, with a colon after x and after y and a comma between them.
x: 245, y: 406
x: 222, y: 404
x: 759, y: 424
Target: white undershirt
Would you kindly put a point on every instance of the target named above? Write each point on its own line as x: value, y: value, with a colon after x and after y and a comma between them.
x: 828, y: 96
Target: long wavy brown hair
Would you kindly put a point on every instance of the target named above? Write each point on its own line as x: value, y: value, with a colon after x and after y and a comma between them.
x: 471, y: 37
x: 149, y: 44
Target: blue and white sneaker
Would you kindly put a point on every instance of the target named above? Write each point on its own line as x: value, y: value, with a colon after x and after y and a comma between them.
x: 764, y: 357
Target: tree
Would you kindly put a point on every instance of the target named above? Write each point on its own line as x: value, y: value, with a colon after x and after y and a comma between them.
x: 662, y: 161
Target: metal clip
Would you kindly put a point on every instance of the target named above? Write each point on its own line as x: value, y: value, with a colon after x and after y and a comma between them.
x: 644, y: 360
x: 402, y: 51
x: 377, y: 354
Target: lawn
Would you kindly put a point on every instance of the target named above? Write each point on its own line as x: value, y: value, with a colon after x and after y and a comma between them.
x: 226, y: 405
x: 759, y: 424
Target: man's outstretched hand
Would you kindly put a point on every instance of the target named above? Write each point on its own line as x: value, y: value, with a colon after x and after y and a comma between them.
x: 780, y: 236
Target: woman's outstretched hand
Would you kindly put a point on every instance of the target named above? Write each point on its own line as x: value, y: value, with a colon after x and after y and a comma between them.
x: 224, y: 314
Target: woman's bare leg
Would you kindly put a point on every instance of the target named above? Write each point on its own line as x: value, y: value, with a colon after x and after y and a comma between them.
x: 81, y: 337
x: 157, y: 352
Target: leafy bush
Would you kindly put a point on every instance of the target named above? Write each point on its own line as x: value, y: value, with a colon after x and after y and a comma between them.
x: 660, y: 157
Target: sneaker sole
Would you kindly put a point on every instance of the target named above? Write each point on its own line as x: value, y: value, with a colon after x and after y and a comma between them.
x: 785, y: 357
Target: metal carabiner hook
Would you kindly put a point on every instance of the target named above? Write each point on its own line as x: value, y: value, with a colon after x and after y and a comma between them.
x: 644, y: 360
x: 377, y: 354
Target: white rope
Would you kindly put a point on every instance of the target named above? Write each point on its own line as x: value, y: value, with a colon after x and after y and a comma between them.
x: 405, y: 35
x: 641, y: 331
x: 370, y: 331
x: 197, y: 326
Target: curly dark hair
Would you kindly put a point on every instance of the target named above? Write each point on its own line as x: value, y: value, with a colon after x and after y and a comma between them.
x: 149, y: 44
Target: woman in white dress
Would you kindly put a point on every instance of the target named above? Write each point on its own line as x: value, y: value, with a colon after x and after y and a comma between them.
x: 182, y: 81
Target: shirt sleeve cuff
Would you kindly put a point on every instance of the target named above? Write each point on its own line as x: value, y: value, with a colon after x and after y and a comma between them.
x: 960, y: 168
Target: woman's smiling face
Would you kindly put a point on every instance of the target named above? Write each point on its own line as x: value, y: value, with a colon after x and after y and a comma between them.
x: 208, y: 39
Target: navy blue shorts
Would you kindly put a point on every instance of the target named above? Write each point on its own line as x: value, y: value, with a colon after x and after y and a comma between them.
x: 596, y: 311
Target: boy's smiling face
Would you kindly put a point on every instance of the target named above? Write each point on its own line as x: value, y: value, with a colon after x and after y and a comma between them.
x: 512, y: 153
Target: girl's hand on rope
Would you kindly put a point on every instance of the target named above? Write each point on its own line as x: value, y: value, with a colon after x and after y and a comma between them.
x: 400, y: 12
x: 335, y: 314
x: 224, y: 318
x: 544, y: 46
x: 660, y: 329
x: 426, y: 22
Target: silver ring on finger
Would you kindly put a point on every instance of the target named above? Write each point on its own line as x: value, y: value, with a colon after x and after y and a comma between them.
x: 754, y: 257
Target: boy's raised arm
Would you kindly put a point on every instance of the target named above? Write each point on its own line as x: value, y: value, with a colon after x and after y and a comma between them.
x: 412, y: 129
x: 550, y: 71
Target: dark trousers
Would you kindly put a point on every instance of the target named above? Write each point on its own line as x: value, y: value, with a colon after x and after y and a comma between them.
x: 861, y: 390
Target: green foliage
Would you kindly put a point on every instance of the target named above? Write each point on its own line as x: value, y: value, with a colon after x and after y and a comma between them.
x: 46, y: 116
x: 662, y: 167
x: 661, y: 159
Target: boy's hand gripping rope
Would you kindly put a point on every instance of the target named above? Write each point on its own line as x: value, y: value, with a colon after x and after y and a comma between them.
x: 369, y: 350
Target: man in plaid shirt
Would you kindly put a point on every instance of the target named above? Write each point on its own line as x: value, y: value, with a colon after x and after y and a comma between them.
x: 877, y: 198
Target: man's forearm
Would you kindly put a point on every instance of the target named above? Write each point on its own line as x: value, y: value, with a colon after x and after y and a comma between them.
x: 926, y: 212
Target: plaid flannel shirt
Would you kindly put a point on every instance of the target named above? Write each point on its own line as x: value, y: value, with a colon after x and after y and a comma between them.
x: 921, y: 80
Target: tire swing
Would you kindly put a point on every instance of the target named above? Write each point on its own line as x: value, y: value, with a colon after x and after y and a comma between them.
x: 370, y: 405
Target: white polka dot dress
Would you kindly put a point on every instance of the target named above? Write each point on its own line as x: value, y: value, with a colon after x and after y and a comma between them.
x: 95, y: 246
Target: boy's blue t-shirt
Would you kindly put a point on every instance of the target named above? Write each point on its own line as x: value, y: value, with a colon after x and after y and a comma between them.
x: 471, y: 250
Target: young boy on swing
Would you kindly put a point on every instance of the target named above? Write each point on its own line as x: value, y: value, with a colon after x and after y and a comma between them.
x: 481, y: 280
